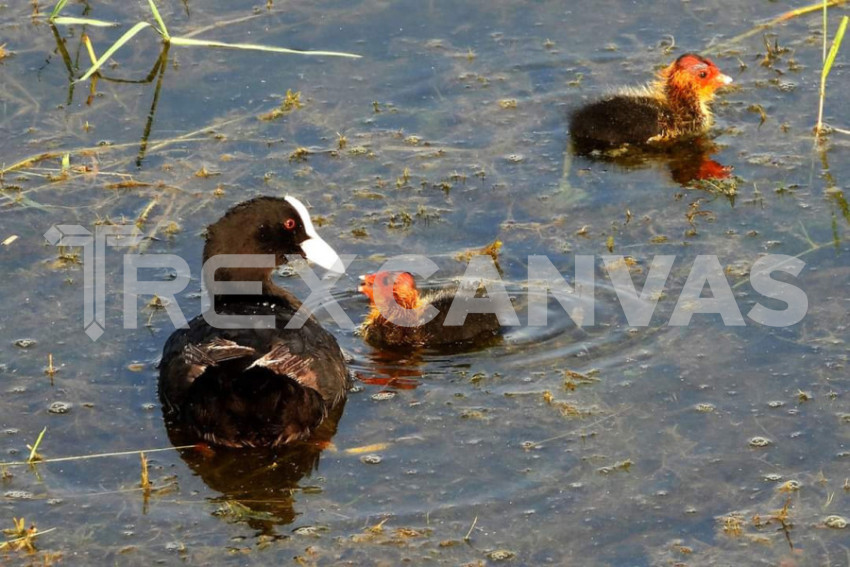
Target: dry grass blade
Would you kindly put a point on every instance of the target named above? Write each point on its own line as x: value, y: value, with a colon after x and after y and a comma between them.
x: 51, y: 370
x: 89, y: 48
x: 22, y: 542
x: 255, y: 47
x: 472, y: 527
x: 193, y: 136
x: 145, y: 482
x: 115, y: 47
x: 785, y: 16
x: 366, y: 449
x: 825, y: 21
x: 92, y: 456
x: 28, y: 162
x: 22, y: 537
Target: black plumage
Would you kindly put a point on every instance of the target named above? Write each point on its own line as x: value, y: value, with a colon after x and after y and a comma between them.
x: 251, y: 386
x: 406, y: 321
x: 618, y: 120
x: 670, y: 110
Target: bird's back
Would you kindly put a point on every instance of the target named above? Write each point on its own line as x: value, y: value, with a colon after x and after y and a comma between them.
x: 617, y: 120
x: 251, y: 386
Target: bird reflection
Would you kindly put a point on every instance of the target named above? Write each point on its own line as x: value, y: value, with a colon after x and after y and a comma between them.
x: 394, y: 370
x: 258, y: 486
x: 688, y: 161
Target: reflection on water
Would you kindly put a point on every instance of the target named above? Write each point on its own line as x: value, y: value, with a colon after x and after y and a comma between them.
x: 603, y: 445
x: 687, y: 161
x: 257, y: 485
x: 393, y: 369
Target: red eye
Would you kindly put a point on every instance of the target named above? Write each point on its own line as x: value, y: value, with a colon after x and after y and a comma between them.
x: 289, y: 224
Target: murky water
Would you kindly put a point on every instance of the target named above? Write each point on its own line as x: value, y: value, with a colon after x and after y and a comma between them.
x: 646, y: 449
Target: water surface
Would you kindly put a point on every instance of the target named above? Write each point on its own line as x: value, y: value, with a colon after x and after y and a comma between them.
x: 642, y: 452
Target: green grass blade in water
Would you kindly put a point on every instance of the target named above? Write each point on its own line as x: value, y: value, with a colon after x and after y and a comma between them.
x: 254, y: 47
x: 69, y: 21
x: 115, y: 47
x: 836, y: 44
x: 34, y: 448
x: 56, y: 9
x: 163, y: 30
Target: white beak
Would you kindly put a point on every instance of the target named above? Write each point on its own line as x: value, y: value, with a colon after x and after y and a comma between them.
x: 724, y: 79
x: 318, y: 251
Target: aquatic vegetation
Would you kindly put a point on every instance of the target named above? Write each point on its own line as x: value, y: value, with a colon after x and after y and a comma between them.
x: 34, y: 456
x: 167, y: 39
x: 22, y: 538
x: 292, y: 101
x: 469, y: 436
x: 828, y: 61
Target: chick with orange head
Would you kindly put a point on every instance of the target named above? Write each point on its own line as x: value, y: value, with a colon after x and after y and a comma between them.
x: 673, y: 108
x: 400, y: 317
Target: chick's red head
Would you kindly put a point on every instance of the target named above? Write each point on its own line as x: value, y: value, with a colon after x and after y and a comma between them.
x: 383, y: 287
x: 690, y: 71
x: 366, y: 287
